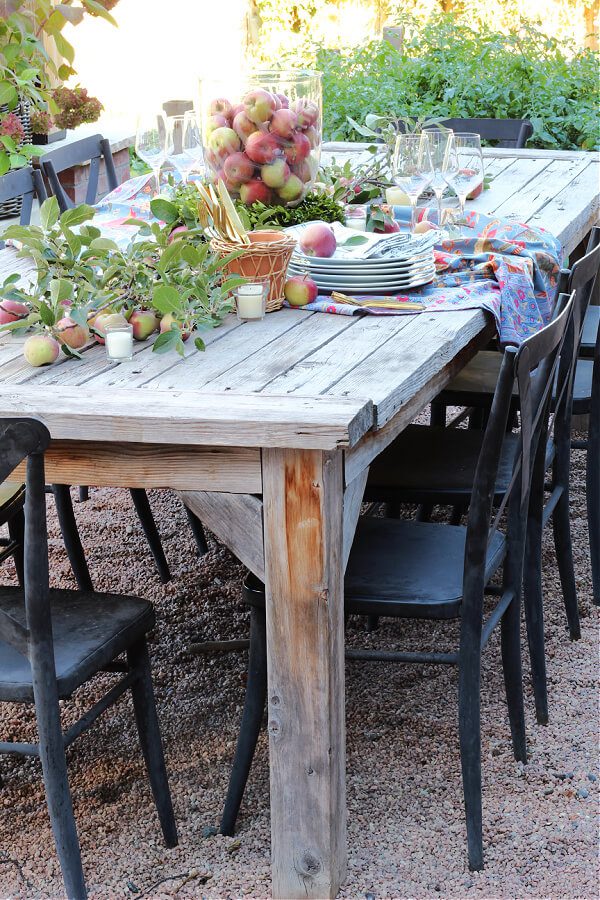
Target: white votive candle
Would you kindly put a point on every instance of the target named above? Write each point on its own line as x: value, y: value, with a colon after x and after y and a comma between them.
x: 250, y: 300
x: 356, y: 216
x: 395, y: 196
x: 119, y: 342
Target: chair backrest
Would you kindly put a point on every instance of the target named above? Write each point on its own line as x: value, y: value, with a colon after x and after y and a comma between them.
x: 501, y: 132
x: 26, y: 183
x: 93, y: 149
x: 533, y: 369
x: 31, y: 634
x: 177, y: 107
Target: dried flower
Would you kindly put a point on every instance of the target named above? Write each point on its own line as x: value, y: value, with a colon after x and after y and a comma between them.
x: 107, y: 4
x: 75, y: 107
x: 41, y: 121
x: 11, y: 125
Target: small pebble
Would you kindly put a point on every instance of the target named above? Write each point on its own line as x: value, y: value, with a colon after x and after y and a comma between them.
x: 209, y: 831
x: 592, y: 777
x: 583, y: 793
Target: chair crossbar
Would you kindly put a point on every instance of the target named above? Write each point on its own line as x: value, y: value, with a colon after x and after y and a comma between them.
x: 551, y: 502
x: 450, y: 659
x: 21, y: 749
x: 14, y: 633
x: 495, y: 616
x: 460, y: 417
x: 98, y: 708
x: 577, y: 444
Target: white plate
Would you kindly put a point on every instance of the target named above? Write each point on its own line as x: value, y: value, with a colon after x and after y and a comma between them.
x: 379, y: 280
x: 369, y: 287
x: 335, y: 262
x: 363, y: 272
x: 365, y: 268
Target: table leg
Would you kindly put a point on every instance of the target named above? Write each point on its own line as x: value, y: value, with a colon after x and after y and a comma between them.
x: 303, y: 499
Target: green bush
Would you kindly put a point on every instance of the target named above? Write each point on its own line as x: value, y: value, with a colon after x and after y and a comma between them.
x: 447, y: 69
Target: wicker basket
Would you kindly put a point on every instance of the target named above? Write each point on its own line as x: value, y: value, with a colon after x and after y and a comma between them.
x: 268, y: 257
x: 11, y: 208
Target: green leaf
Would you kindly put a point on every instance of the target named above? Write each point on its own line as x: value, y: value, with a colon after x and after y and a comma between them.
x: 73, y: 14
x: 167, y: 340
x: 8, y: 142
x: 65, y: 49
x: 101, y: 243
x: 164, y: 210
x: 165, y: 298
x: 355, y: 241
x: 4, y: 163
x: 99, y: 10
x: 61, y: 289
x: 199, y: 344
x: 49, y: 213
x: 170, y: 255
x: 191, y: 255
x: 77, y: 215
x: 46, y: 314
x: 8, y: 93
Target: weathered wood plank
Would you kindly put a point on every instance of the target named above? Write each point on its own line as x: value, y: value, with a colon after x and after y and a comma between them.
x: 160, y: 417
x: 508, y: 183
x: 319, y: 371
x: 350, y: 147
x: 305, y: 640
x: 523, y: 204
x: 153, y: 466
x: 252, y: 338
x: 236, y: 520
x: 353, y: 497
x: 572, y: 213
x: 401, y: 366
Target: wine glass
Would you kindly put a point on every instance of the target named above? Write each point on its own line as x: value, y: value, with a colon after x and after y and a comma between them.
x: 151, y: 142
x: 466, y: 172
x: 412, y: 169
x: 443, y: 161
x: 185, y: 144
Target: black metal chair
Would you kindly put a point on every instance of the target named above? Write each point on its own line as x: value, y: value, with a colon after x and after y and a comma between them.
x: 53, y: 641
x: 94, y: 149
x: 421, y: 570
x: 500, y: 132
x: 473, y: 388
x: 26, y: 183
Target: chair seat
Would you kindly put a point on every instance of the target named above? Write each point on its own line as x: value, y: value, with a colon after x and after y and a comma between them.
x: 90, y: 630
x: 426, y: 464
x: 476, y: 383
x: 12, y: 498
x: 410, y: 569
x: 591, y: 323
x: 582, y: 389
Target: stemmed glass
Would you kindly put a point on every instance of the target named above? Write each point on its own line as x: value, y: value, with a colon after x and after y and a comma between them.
x: 443, y: 161
x: 411, y: 168
x: 152, y: 142
x: 467, y: 169
x: 185, y: 144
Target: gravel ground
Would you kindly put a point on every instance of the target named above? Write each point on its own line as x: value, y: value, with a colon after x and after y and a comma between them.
x: 405, y: 815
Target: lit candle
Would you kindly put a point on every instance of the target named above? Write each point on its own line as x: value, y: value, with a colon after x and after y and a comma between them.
x: 119, y: 342
x: 395, y: 196
x: 356, y: 216
x: 250, y: 300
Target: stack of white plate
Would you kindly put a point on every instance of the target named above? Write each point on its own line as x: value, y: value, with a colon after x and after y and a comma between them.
x: 380, y: 265
x: 366, y: 276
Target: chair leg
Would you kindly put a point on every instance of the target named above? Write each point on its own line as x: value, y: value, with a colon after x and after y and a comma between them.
x: 197, y: 531
x: 533, y: 598
x: 58, y: 795
x: 68, y: 527
x: 254, y: 707
x: 470, y: 753
x: 16, y: 531
x: 144, y: 513
x: 144, y: 706
x: 513, y: 677
x: 84, y: 493
x: 437, y: 415
x: 593, y: 483
x: 564, y: 557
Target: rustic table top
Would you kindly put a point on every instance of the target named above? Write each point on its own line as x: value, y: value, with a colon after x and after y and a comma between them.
x: 296, y: 378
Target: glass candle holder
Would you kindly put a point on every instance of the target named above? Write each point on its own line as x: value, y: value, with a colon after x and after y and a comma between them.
x: 355, y: 215
x: 119, y: 342
x: 251, y: 300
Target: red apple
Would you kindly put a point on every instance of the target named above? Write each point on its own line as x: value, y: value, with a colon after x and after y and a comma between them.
x: 167, y: 321
x: 284, y: 122
x: 275, y: 174
x: 238, y: 168
x: 144, y: 323
x: 177, y: 233
x: 298, y: 149
x: 318, y: 240
x: 313, y: 136
x: 41, y: 350
x: 215, y: 122
x: 300, y: 290
x: 292, y: 189
x: 262, y: 148
x: 12, y: 311
x: 302, y: 170
x: 101, y: 322
x: 259, y: 105
x: 243, y: 126
x: 283, y: 100
x: 307, y: 112
x: 71, y: 333
x: 221, y: 107
x: 223, y: 142
x: 255, y: 191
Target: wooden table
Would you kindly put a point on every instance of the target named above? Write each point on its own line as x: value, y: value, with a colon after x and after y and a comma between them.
x: 268, y: 437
